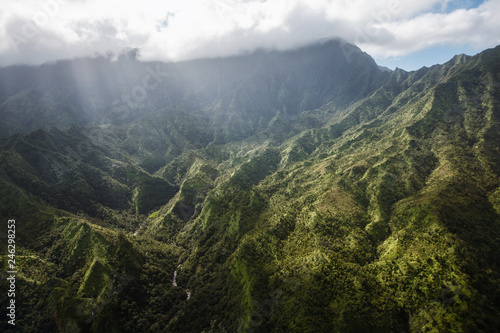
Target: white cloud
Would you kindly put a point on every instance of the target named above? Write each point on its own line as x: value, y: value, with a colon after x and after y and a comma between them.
x: 36, y: 31
x: 478, y: 27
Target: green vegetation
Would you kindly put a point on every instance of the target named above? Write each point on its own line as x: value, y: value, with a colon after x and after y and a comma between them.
x: 340, y: 210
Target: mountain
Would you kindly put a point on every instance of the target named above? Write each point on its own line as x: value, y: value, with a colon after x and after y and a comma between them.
x: 83, y: 91
x: 278, y: 191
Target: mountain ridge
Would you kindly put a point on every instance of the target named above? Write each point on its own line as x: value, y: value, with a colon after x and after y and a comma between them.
x: 379, y: 211
x: 209, y: 81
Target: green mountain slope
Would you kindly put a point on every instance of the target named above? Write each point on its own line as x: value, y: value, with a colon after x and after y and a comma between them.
x: 385, y: 220
x: 297, y: 204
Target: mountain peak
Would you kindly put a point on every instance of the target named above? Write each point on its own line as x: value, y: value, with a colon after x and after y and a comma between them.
x: 303, y: 190
x: 460, y: 59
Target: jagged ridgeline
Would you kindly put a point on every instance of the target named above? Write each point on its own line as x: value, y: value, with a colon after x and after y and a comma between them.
x: 293, y: 191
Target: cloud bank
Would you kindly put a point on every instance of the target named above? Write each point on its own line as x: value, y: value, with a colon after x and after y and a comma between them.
x: 36, y: 31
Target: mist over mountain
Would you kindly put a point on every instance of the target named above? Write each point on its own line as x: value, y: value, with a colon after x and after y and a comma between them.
x: 254, y: 86
x: 307, y: 190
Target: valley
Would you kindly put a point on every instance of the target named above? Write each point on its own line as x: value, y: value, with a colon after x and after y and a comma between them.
x: 277, y: 191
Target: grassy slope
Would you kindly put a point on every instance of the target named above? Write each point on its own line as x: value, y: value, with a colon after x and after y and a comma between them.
x: 383, y: 217
x: 387, y: 219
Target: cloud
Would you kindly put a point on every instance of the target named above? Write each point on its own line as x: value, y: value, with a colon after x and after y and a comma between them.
x: 38, y: 31
x: 476, y: 26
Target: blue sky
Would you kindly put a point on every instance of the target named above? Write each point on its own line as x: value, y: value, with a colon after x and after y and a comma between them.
x: 427, y: 57
x: 457, y: 4
x: 397, y: 33
x: 437, y: 54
